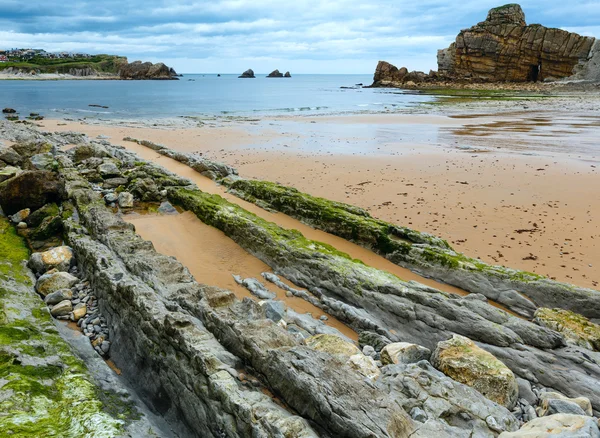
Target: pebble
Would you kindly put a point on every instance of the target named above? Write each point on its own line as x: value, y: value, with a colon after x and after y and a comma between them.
x: 21, y: 225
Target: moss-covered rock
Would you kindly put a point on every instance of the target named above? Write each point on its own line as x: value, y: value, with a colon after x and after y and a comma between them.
x: 520, y: 291
x: 463, y: 361
x: 576, y: 328
x: 44, y: 390
x: 332, y: 344
x: 344, y: 220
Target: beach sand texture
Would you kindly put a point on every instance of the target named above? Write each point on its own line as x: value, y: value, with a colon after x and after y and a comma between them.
x: 518, y: 190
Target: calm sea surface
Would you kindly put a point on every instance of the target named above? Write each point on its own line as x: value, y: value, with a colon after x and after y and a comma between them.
x: 202, y: 95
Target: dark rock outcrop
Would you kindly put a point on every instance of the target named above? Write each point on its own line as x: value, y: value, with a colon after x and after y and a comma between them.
x: 247, y: 74
x: 30, y: 189
x: 146, y: 70
x: 278, y: 74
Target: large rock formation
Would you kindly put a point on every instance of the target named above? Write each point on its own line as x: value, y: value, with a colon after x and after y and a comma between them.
x: 503, y: 48
x: 146, y: 70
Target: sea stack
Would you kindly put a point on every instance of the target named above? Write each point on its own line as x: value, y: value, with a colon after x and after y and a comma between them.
x: 247, y: 74
x: 503, y: 48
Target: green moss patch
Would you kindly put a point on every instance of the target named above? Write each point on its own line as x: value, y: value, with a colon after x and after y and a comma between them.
x: 45, y: 391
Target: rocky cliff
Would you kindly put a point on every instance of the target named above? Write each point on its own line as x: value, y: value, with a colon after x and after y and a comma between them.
x: 146, y: 70
x: 503, y: 48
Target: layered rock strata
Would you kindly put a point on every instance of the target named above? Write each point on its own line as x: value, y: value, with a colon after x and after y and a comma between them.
x: 521, y: 292
x: 217, y: 366
x: 503, y: 48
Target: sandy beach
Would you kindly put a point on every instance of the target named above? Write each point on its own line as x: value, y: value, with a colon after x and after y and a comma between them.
x: 516, y: 190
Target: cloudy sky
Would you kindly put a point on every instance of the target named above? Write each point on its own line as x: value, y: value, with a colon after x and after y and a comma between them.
x: 303, y: 36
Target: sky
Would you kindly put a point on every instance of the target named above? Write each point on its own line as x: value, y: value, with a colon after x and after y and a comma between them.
x: 302, y: 36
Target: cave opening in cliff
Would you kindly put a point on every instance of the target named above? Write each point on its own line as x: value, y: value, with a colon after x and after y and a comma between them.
x: 534, y: 73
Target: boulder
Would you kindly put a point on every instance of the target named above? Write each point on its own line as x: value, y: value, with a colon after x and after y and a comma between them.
x: 113, y: 183
x: 274, y: 310
x: 61, y: 309
x: 465, y: 362
x: 577, y: 329
x: 404, y: 352
x: 20, y: 215
x: 364, y: 365
x: 10, y: 156
x: 373, y: 339
x: 60, y: 258
x: 8, y: 172
x: 43, y: 161
x: 145, y: 189
x: 36, y: 218
x: 557, y: 426
x: 79, y: 311
x: 247, y: 74
x: 332, y: 344
x: 49, y: 283
x: 287, y: 75
x: 50, y: 226
x: 582, y: 402
x: 109, y: 170
x: 58, y: 296
x: 30, y: 189
x: 9, y: 111
x: 125, y: 200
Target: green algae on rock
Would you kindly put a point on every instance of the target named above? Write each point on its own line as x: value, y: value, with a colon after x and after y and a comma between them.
x: 430, y: 256
x: 577, y: 328
x: 45, y: 390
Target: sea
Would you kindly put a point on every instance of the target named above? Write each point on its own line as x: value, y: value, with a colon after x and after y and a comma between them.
x: 204, y: 95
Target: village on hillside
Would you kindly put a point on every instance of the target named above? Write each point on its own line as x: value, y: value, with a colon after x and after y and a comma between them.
x: 24, y: 55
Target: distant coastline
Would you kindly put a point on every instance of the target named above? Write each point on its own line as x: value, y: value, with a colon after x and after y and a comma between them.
x: 29, y: 64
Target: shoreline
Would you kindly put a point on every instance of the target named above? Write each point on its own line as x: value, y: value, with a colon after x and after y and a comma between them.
x: 511, y: 206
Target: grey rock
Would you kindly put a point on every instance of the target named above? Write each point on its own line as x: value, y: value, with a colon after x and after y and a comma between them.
x: 444, y: 401
x: 125, y: 200
x: 375, y: 340
x: 8, y: 172
x: 10, y: 156
x: 525, y: 391
x: 109, y: 170
x: 404, y: 352
x: 63, y: 308
x: 111, y: 197
x: 43, y: 161
x: 258, y: 289
x: 274, y: 310
x: 113, y: 183
x: 58, y: 296
x: 49, y: 283
x: 556, y: 406
x: 560, y: 425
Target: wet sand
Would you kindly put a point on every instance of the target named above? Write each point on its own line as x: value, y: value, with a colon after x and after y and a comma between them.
x: 524, y: 195
x: 213, y: 258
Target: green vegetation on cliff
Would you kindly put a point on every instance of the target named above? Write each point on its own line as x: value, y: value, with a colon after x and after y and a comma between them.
x: 99, y: 63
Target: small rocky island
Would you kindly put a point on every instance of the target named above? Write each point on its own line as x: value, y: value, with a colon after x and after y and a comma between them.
x: 248, y: 74
x: 278, y: 74
x: 512, y: 356
x: 503, y: 48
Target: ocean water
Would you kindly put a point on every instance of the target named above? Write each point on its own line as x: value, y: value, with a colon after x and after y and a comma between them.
x: 203, y: 96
